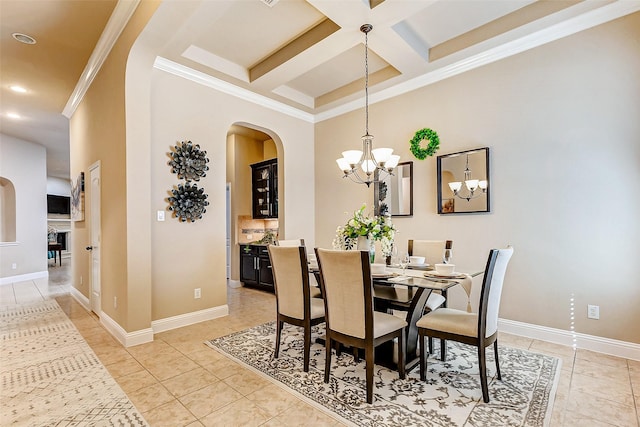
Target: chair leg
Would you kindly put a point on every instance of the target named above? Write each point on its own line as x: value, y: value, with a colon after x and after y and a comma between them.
x: 356, y: 355
x: 495, y: 352
x: 327, y: 360
x: 368, y: 354
x: 430, y: 345
x: 423, y: 358
x: 483, y: 373
x: 443, y: 349
x: 401, y: 354
x: 279, y: 324
x: 307, y: 347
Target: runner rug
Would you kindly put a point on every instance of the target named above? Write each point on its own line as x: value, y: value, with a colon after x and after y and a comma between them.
x: 51, y: 377
x: 451, y: 396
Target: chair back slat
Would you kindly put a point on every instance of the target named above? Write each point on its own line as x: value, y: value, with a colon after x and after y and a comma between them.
x: 345, y: 290
x: 291, y: 279
x: 492, y: 290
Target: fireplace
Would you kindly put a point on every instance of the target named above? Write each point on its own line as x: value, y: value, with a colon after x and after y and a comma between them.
x: 62, y: 239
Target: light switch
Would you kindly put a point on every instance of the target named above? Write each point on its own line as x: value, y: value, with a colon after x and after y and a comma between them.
x: 160, y: 215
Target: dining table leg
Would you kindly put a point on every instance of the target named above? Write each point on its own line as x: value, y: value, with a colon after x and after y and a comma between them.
x: 414, y: 314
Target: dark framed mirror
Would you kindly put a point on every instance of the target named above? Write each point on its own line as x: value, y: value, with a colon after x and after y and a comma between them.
x: 463, y: 182
x: 394, y: 193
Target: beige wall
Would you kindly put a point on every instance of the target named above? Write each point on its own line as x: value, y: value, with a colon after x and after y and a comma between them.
x: 23, y: 163
x: 562, y: 124
x: 98, y: 133
x: 189, y: 255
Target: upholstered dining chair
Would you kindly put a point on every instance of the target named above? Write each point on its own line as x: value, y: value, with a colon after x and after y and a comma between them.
x: 431, y: 250
x: 293, y: 296
x: 291, y: 242
x: 315, y: 290
x: 478, y: 329
x: 350, y: 319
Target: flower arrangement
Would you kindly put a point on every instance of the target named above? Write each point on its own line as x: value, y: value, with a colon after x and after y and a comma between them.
x: 371, y: 227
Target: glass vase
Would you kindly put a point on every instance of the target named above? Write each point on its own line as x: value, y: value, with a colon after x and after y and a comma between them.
x: 366, y: 244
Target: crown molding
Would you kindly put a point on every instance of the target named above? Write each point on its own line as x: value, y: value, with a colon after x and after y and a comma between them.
x: 119, y: 18
x: 228, y: 88
x: 486, y: 56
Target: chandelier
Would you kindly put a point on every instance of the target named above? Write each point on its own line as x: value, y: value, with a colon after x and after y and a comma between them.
x: 471, y: 184
x: 367, y: 161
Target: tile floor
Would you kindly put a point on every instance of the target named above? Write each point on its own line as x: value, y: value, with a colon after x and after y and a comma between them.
x: 177, y: 381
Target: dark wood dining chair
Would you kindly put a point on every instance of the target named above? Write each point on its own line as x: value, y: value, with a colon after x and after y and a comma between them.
x: 477, y: 329
x: 293, y: 295
x: 345, y: 279
x: 315, y: 290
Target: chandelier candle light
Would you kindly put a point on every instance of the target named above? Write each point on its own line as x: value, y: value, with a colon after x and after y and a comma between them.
x: 368, y: 160
x: 471, y: 184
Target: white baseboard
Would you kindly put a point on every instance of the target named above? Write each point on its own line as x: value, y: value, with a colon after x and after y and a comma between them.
x: 128, y: 339
x: 187, y: 319
x: 234, y: 283
x: 24, y: 277
x: 125, y: 338
x: 82, y: 300
x: 613, y: 347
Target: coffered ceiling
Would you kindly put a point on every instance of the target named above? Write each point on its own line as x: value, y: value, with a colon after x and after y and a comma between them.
x: 304, y: 56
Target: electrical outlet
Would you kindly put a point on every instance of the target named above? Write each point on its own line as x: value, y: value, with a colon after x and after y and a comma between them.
x: 196, y: 293
x: 160, y: 215
x: 14, y: 266
x: 593, y: 311
x: 115, y: 302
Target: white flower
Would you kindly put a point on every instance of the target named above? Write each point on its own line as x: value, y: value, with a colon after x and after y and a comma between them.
x: 372, y: 227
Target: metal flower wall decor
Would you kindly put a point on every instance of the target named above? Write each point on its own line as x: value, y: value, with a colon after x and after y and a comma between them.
x: 188, y: 202
x: 189, y: 161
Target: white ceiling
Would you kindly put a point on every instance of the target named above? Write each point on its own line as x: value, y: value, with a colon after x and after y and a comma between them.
x: 307, y: 56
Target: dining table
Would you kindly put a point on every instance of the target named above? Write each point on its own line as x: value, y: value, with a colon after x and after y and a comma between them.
x: 413, y: 286
x: 410, y: 288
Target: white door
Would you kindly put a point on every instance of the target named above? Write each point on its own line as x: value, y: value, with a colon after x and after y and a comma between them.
x: 94, y: 197
x: 228, y: 230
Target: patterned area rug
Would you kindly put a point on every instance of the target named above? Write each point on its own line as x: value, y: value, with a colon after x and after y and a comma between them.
x: 451, y: 396
x: 50, y: 375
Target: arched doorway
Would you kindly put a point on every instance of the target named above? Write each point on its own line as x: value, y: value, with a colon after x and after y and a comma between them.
x: 248, y: 145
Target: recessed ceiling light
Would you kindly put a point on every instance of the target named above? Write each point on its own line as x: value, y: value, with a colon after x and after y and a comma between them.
x: 23, y: 38
x: 18, y: 89
x: 13, y: 115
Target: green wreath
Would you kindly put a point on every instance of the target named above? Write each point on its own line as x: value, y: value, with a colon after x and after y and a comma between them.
x: 421, y: 135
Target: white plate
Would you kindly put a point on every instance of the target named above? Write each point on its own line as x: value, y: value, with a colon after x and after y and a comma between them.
x: 418, y: 266
x: 454, y: 275
x: 382, y: 275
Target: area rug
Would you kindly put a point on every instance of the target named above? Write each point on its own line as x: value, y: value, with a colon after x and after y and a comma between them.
x: 451, y: 396
x: 51, y: 377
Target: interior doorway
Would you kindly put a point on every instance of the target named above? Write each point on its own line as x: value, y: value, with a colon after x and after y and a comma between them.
x: 247, y: 145
x: 94, y: 230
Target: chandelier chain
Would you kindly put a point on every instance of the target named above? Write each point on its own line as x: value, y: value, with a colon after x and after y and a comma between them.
x: 366, y: 81
x: 374, y: 164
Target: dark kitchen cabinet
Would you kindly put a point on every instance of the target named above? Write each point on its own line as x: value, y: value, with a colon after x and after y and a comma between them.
x: 255, y: 267
x: 264, y: 197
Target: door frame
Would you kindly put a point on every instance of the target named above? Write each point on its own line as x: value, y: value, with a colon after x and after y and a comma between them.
x: 95, y: 302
